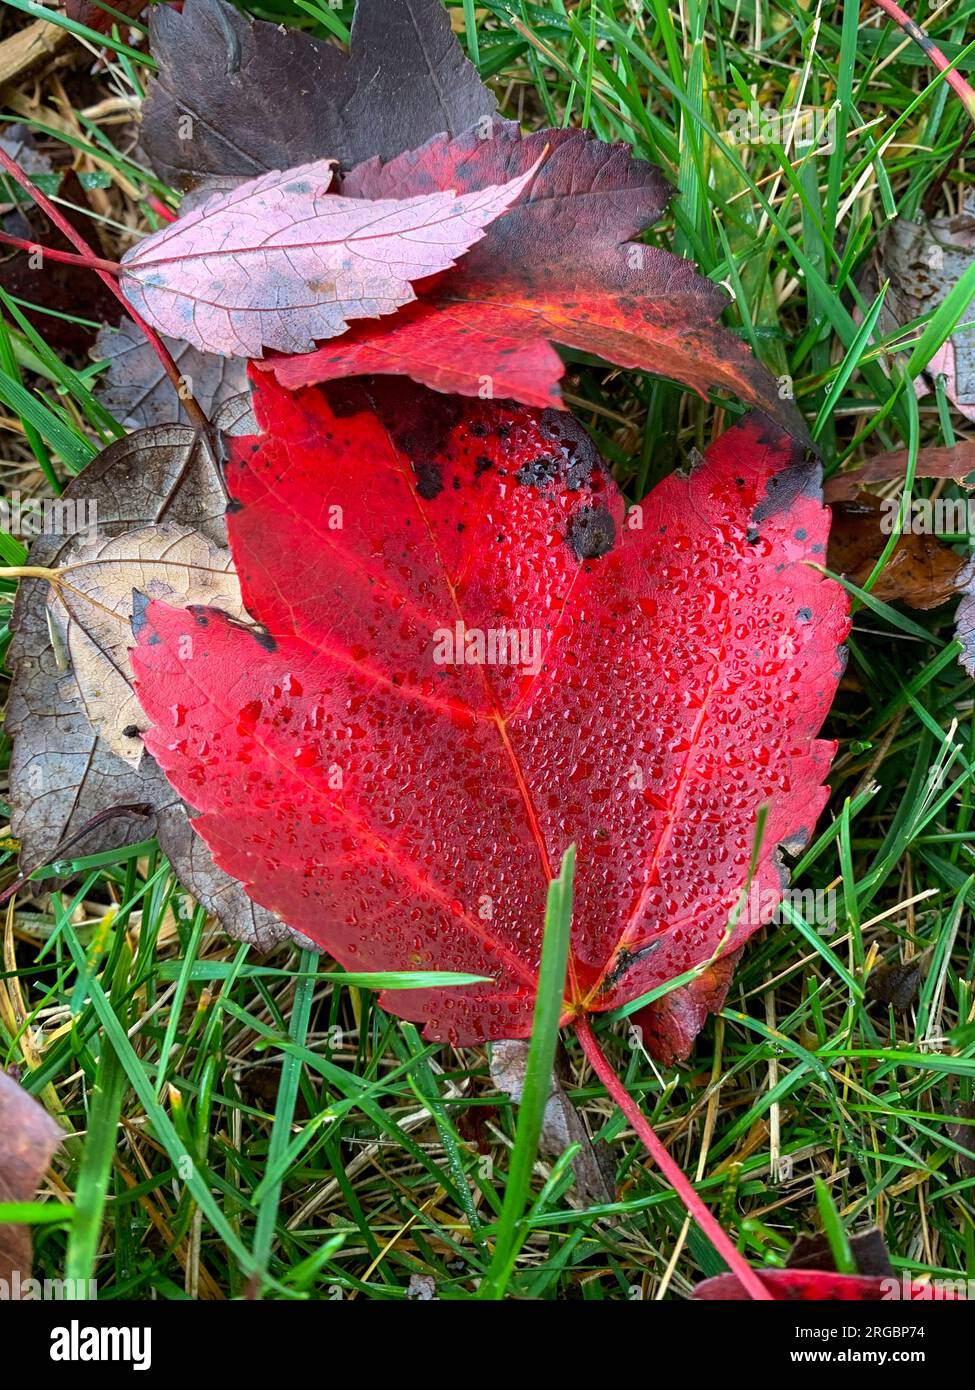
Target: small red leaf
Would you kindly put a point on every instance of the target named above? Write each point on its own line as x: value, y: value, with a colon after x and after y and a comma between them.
x: 669, y: 1025
x: 563, y: 268
x: 471, y: 657
x: 819, y: 1286
x: 280, y: 262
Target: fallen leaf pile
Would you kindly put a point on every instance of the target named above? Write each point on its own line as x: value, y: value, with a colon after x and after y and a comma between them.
x: 563, y: 266
x: 555, y: 270
x: 280, y: 261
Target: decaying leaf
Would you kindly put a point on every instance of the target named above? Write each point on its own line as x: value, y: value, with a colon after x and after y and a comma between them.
x: 896, y: 984
x: 471, y: 656
x: 280, y: 262
x: 137, y: 391
x: 923, y: 262
x: 922, y: 571
x: 868, y: 1248
x: 28, y: 1138
x: 62, y: 776
x: 235, y: 98
x: 953, y: 464
x: 90, y: 609
x: 562, y: 1124
x: 560, y: 267
x: 667, y: 1027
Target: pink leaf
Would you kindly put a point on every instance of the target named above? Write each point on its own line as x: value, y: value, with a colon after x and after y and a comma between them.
x: 279, y: 262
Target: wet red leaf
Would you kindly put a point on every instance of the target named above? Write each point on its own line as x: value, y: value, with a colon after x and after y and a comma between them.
x: 368, y: 773
x: 562, y: 268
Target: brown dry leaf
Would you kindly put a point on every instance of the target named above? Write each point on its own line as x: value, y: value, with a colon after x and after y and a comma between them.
x: 954, y: 463
x: 562, y: 1124
x: 28, y: 1138
x: 923, y: 570
x: 66, y: 784
x: 90, y: 607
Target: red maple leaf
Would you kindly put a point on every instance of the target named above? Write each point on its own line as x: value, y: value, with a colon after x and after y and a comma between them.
x: 561, y: 267
x: 470, y: 656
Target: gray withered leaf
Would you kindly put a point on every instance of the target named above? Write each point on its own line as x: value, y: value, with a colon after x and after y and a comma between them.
x: 62, y: 775
x: 234, y: 98
x: 135, y: 389
x: 562, y: 1124
x: 923, y: 262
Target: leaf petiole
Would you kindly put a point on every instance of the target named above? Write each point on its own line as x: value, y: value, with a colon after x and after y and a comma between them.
x: 696, y: 1208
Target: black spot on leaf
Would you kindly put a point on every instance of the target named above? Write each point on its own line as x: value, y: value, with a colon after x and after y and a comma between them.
x: 592, y: 532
